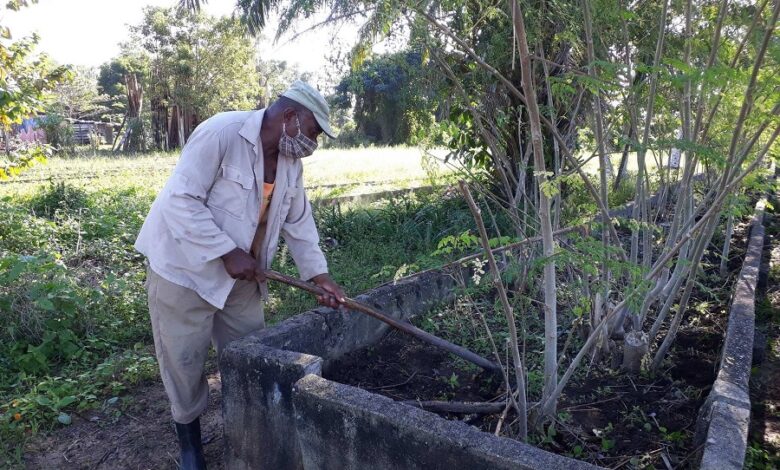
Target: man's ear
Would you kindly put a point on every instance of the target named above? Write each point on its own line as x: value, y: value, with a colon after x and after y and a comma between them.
x: 288, y: 113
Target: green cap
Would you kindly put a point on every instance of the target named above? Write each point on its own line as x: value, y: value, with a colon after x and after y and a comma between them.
x: 305, y: 94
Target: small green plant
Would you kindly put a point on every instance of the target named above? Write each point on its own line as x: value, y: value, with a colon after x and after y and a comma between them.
x: 606, y: 443
x: 761, y: 457
x: 453, y: 381
x: 549, y: 435
x: 59, y: 132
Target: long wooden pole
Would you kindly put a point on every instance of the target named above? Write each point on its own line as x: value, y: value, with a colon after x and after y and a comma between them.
x: 405, y: 327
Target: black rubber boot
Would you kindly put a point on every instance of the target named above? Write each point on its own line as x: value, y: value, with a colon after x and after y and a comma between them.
x: 191, y: 446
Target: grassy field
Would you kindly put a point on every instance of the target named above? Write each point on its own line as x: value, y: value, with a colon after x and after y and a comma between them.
x: 327, y: 173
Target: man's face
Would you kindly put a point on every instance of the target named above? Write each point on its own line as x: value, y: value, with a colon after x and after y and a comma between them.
x: 309, y: 126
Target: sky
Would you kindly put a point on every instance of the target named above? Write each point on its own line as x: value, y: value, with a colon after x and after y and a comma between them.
x: 88, y: 32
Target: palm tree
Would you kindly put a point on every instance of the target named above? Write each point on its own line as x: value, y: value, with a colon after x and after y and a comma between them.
x: 254, y: 13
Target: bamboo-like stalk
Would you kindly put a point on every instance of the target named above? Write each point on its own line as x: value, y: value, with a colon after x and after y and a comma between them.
x: 675, y: 283
x: 548, y: 243
x: 599, y: 307
x: 640, y: 211
x: 512, y: 191
x: 556, y: 214
x: 724, y: 256
x: 650, y: 298
x: 550, y: 126
x: 508, y: 313
x: 719, y: 96
x: 701, y: 244
x: 734, y: 163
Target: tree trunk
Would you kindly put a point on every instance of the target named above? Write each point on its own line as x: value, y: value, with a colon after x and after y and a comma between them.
x: 635, y: 347
x: 724, y: 259
x: 133, y: 140
x: 548, y: 244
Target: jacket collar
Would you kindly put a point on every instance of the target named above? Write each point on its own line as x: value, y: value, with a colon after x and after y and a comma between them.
x: 251, y: 128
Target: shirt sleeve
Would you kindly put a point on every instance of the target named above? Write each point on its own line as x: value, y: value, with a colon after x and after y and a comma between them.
x: 300, y: 233
x: 190, y: 221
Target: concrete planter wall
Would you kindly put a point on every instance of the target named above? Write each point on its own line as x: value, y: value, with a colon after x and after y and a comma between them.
x: 722, y: 426
x: 281, y: 414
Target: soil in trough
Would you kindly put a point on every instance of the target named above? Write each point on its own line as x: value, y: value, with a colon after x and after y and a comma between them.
x: 604, y: 416
x: 404, y: 368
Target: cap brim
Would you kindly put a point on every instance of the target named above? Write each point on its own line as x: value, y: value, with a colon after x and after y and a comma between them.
x: 325, y: 126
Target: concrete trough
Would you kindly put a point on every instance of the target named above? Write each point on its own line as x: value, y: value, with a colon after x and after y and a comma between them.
x: 280, y: 414
x: 724, y: 419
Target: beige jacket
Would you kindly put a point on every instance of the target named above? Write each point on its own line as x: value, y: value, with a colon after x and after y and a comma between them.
x: 211, y: 204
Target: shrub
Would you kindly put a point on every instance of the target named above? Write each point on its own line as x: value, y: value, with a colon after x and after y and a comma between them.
x: 59, y: 133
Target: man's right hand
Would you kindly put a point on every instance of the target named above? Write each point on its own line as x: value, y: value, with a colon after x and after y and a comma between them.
x: 239, y: 264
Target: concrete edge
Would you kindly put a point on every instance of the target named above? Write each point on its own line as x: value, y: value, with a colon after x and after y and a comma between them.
x: 367, y: 198
x: 330, y: 333
x: 438, y: 436
x: 723, y: 421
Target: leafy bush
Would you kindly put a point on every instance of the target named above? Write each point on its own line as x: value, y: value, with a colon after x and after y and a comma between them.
x: 72, y: 304
x: 22, y: 156
x: 59, y: 132
x: 59, y: 196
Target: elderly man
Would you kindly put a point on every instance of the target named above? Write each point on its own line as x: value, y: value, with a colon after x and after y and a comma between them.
x: 212, y: 231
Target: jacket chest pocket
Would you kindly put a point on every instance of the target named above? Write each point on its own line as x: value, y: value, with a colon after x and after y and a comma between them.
x: 231, y: 191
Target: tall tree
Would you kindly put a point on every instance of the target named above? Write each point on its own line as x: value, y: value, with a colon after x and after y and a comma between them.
x: 392, y: 97
x: 199, y: 65
x: 79, y: 98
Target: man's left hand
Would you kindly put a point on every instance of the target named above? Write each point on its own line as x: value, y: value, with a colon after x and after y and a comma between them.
x: 335, y: 296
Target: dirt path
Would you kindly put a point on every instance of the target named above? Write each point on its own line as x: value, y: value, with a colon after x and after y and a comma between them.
x: 137, y: 433
x: 765, y: 382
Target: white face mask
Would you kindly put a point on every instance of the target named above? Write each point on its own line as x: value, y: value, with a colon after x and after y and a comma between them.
x: 298, y: 146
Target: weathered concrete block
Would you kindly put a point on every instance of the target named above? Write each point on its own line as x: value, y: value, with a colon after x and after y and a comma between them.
x: 723, y: 420
x: 258, y: 371
x: 257, y: 404
x: 341, y: 427
x: 725, y: 444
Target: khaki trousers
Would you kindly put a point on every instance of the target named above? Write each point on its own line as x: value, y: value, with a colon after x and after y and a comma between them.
x: 184, y: 325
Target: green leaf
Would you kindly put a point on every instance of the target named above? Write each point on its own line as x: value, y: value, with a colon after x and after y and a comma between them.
x: 64, y: 418
x: 66, y: 401
x: 43, y: 401
x: 45, y: 304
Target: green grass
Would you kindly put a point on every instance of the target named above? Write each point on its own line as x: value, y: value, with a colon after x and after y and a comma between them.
x: 360, y: 170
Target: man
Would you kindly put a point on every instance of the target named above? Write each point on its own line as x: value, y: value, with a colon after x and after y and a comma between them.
x: 212, y: 231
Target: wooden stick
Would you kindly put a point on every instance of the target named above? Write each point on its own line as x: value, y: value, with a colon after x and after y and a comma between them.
x: 405, y: 327
x: 457, y: 406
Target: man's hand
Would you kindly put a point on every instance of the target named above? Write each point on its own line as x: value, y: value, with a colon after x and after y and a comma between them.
x: 239, y: 264
x: 335, y: 295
